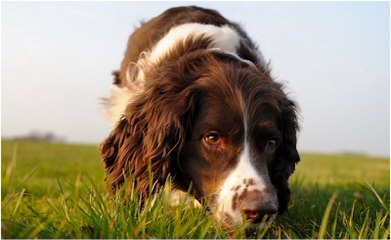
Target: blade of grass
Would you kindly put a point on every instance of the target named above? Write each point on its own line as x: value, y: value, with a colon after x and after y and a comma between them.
x: 377, y: 196
x: 335, y: 222
x: 386, y: 234
x: 326, y: 216
x: 11, y: 166
x: 350, y: 229
x: 350, y: 222
x: 18, y: 202
x: 364, y: 228
x: 375, y: 233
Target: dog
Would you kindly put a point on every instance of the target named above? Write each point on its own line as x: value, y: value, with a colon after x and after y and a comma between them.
x: 194, y: 99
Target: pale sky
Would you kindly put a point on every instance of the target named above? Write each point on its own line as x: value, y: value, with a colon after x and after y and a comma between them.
x: 334, y: 58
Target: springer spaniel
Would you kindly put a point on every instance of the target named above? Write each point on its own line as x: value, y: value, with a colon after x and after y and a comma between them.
x: 194, y: 100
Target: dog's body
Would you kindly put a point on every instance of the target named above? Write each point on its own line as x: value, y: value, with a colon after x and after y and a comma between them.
x: 194, y: 99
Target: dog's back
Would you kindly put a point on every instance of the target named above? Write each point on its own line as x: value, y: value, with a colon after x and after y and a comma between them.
x: 149, y: 33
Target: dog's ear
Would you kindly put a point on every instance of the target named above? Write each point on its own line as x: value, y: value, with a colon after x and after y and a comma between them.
x: 116, y: 155
x: 147, y: 140
x: 287, y: 154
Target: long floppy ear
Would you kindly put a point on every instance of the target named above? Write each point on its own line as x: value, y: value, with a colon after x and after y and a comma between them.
x: 287, y: 154
x: 147, y: 140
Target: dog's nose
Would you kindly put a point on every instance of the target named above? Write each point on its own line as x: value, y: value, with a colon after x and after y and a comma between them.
x: 256, y: 212
x: 255, y: 206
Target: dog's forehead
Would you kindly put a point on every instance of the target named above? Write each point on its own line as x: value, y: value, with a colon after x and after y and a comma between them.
x: 216, y: 111
x: 226, y: 100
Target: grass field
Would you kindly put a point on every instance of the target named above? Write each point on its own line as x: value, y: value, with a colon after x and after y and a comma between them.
x: 52, y: 190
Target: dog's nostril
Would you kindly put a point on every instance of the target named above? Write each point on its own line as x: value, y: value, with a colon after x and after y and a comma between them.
x: 256, y: 215
x: 251, y: 214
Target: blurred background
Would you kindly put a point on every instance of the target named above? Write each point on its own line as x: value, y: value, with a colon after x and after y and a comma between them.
x: 333, y: 57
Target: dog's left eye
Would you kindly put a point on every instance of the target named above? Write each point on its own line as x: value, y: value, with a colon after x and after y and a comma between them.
x: 271, y: 146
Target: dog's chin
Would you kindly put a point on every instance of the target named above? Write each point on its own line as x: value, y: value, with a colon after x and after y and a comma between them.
x: 252, y: 228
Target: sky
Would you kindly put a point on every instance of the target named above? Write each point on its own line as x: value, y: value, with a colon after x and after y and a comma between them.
x: 333, y: 57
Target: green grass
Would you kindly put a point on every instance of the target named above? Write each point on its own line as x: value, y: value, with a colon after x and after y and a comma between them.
x: 54, y: 190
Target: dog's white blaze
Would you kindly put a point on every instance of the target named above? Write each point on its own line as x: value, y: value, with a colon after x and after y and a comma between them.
x: 244, y: 170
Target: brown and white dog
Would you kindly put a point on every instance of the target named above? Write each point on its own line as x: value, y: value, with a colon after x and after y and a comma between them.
x: 194, y: 100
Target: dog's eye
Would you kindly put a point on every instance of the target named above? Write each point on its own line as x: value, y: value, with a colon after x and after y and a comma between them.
x: 271, y: 146
x: 212, y: 138
x: 214, y: 141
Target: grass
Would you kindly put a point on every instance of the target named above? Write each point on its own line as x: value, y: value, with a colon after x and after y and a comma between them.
x: 54, y: 190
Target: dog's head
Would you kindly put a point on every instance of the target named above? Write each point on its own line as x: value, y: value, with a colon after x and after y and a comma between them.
x: 212, y: 121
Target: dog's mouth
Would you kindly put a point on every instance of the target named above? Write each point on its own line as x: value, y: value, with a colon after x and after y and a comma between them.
x: 258, y: 218
x: 254, y: 220
x: 251, y: 221
x: 251, y: 228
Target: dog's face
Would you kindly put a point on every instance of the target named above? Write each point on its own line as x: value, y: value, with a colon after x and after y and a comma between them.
x: 231, y: 146
x: 213, y: 122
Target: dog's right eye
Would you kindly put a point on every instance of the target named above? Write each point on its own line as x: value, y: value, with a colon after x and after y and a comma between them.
x: 214, y: 140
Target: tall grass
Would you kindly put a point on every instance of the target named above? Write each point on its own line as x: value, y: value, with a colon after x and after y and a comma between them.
x: 74, y: 203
